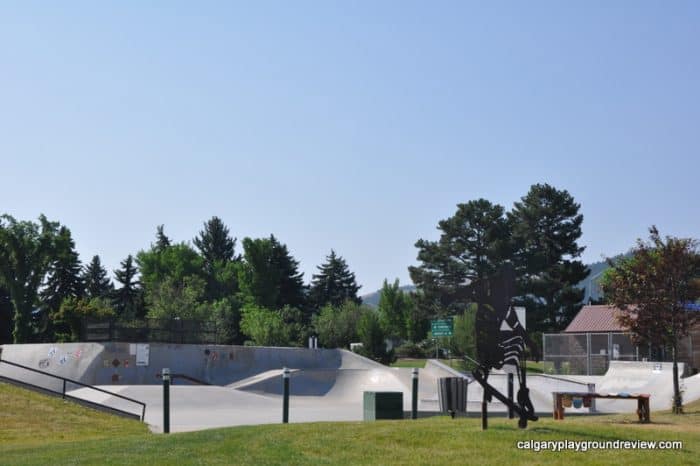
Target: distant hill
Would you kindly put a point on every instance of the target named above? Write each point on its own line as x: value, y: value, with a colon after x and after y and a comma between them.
x: 590, y: 284
x: 372, y: 299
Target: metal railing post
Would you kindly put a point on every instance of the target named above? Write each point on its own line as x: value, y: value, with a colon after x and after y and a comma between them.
x: 285, y: 401
x: 166, y: 400
x: 414, y: 400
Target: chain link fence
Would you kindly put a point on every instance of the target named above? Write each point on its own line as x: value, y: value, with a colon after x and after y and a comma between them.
x: 585, y: 353
x: 153, y: 331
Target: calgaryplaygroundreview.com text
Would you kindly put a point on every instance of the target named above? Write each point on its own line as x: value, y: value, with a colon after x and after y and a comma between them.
x: 587, y: 445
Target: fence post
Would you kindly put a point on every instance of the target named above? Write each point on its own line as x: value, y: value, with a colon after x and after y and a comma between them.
x: 165, y: 373
x: 588, y: 354
x: 285, y: 401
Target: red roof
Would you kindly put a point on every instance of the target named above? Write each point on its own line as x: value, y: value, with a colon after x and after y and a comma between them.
x: 599, y: 318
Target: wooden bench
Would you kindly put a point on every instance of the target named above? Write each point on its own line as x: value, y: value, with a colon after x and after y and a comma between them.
x: 642, y: 402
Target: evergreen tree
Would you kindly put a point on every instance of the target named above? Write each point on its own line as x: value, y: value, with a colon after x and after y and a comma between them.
x: 5, y: 317
x: 221, y: 264
x: 63, y: 281
x: 215, y: 243
x: 473, y: 244
x: 546, y: 226
x: 26, y: 252
x: 270, y: 277
x: 128, y: 299
x: 162, y: 241
x: 334, y: 284
x: 97, y: 283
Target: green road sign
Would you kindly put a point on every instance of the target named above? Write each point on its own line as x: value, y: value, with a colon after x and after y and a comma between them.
x: 441, y: 327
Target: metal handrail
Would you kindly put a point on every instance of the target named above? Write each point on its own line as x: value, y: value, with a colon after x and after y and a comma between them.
x: 65, y: 379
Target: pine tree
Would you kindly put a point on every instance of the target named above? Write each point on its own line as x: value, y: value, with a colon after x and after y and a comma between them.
x: 128, y: 297
x: 217, y: 248
x: 546, y: 226
x: 334, y: 284
x: 473, y: 244
x: 215, y: 243
x: 64, y: 279
x: 97, y: 283
x: 162, y: 241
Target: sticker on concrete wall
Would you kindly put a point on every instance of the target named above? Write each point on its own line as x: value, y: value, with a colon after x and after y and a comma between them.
x: 64, y: 359
x: 126, y: 363
x: 142, y: 354
x: 77, y: 354
x: 52, y: 351
x: 116, y: 362
x: 106, y: 363
x: 44, y: 363
x: 115, y: 378
x: 214, y: 355
x: 132, y: 349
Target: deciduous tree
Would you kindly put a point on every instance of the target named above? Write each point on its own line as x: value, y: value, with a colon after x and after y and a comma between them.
x: 26, y: 252
x: 270, y: 276
x: 652, y: 289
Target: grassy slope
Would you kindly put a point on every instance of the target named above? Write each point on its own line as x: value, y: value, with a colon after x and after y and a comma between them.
x: 532, y: 366
x: 37, y: 430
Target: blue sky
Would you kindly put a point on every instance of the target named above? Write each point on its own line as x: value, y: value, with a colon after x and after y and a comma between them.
x: 348, y: 125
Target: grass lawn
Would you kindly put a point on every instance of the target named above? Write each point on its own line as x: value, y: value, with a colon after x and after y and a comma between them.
x: 41, y: 430
x: 532, y: 366
x: 409, y: 362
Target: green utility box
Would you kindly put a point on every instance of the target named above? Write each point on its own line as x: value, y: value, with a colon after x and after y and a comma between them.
x: 383, y: 405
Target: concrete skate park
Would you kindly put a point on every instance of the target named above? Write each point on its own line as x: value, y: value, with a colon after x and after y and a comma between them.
x: 218, y: 386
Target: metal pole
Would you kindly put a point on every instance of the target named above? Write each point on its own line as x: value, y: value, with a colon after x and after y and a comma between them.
x: 165, y: 373
x: 511, y: 414
x: 436, y: 350
x: 285, y: 401
x: 588, y: 353
x: 414, y: 400
x: 591, y: 389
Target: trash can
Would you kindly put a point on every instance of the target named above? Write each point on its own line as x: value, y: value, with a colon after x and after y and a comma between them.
x: 452, y: 394
x: 383, y: 405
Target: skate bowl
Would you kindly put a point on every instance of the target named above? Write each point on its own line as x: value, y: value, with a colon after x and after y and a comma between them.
x: 217, y: 385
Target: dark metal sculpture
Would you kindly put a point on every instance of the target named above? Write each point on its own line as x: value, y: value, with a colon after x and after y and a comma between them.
x: 496, y: 347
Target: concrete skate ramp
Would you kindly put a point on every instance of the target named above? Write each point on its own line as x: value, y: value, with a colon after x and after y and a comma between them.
x: 333, y: 383
x: 115, y: 363
x: 654, y: 378
x: 540, y: 386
